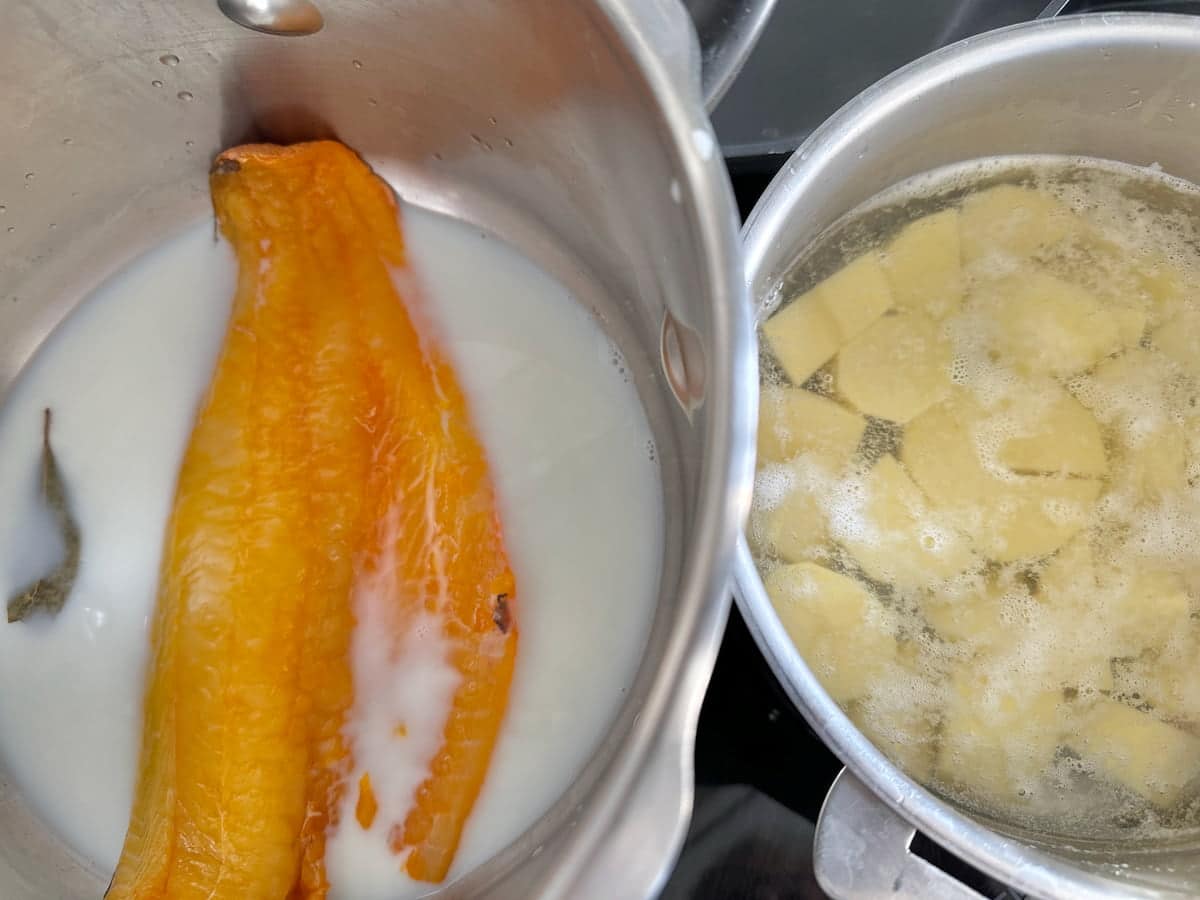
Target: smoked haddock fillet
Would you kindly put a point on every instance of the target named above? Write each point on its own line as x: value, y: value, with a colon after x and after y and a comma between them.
x: 332, y: 477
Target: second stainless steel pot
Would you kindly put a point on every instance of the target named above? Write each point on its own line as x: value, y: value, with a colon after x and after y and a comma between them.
x: 573, y: 130
x: 1122, y: 87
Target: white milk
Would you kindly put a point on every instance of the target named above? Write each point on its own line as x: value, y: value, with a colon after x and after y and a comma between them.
x: 571, y: 456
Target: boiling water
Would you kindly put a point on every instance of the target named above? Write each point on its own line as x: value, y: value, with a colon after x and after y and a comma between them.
x: 571, y: 457
x: 1056, y: 688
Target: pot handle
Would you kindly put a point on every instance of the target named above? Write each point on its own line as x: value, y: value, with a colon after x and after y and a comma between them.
x: 861, y: 851
x: 707, y: 50
x: 728, y: 31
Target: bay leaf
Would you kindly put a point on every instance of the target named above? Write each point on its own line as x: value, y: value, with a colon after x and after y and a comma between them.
x: 49, y: 593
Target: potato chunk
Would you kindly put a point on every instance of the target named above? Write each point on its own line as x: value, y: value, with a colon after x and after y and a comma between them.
x: 1146, y: 608
x: 895, y: 535
x: 1014, y: 221
x: 898, y: 718
x: 1069, y: 576
x: 1132, y: 390
x: 1136, y: 395
x: 792, y: 420
x: 1179, y: 339
x: 924, y: 267
x: 1164, y: 287
x: 897, y: 368
x: 1008, y: 516
x: 807, y: 332
x: 997, y: 740
x: 1051, y: 432
x: 1165, y: 678
x: 842, y: 632
x: 1045, y: 325
x: 1149, y: 757
x: 971, y: 612
x: 1158, y: 465
x: 795, y: 529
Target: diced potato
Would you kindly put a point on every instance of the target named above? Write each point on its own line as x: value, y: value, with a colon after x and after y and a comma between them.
x: 1052, y: 433
x: 1146, y: 608
x: 974, y: 613
x: 795, y: 529
x: 1135, y: 394
x: 899, y: 718
x: 1165, y: 678
x: 1084, y: 662
x: 1164, y: 286
x: 843, y: 633
x: 1037, y: 516
x: 997, y: 740
x: 807, y: 332
x: 1110, y: 271
x: 1179, y: 339
x: 1158, y: 465
x: 1069, y: 577
x: 792, y: 420
x: 1008, y: 516
x: 1132, y: 748
x: 1127, y: 278
x: 1085, y: 667
x: 897, y: 368
x: 1016, y: 221
x: 1044, y: 325
x: 939, y: 452
x: 896, y: 536
x: 923, y: 265
x: 1131, y: 390
x: 1131, y: 324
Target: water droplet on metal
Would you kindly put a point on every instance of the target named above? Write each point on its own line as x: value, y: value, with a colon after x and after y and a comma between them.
x: 184, y: 96
x: 371, y: 101
x: 357, y: 64
x: 189, y: 143
x: 683, y: 362
x: 12, y: 228
x: 156, y: 83
x: 169, y: 59
x: 29, y: 176
x: 283, y: 17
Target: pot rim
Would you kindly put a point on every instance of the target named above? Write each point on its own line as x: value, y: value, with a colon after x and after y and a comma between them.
x: 1018, y: 864
x: 662, y: 738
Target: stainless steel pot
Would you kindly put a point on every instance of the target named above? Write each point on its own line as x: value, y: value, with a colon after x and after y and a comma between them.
x: 577, y: 132
x: 1118, y: 86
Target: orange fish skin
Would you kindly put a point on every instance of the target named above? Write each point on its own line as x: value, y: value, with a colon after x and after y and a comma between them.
x: 327, y: 413
x: 448, y: 555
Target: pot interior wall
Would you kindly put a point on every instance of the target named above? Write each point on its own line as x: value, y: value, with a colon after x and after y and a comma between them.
x: 531, y: 120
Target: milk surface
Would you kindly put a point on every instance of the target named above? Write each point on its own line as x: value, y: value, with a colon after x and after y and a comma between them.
x: 571, y: 457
